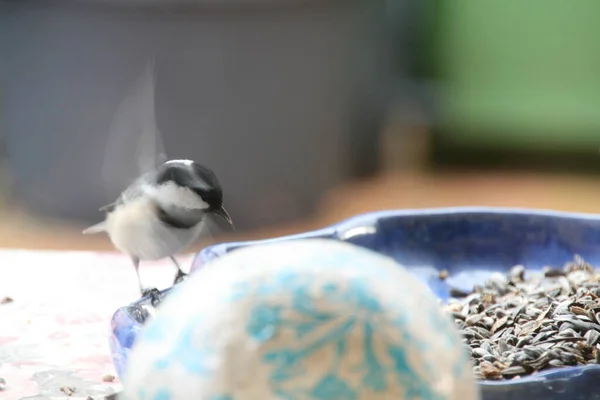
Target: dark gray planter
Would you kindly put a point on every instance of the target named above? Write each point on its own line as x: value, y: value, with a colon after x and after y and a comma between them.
x: 282, y: 99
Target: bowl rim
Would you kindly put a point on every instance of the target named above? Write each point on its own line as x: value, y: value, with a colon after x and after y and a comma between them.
x: 213, y: 251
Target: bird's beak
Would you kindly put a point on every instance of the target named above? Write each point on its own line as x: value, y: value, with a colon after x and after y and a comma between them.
x: 222, y: 212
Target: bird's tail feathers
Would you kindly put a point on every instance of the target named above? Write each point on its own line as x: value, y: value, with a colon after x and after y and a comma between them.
x: 100, y: 227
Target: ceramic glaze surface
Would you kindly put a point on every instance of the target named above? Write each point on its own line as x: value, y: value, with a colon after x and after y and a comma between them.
x: 310, y: 319
x: 471, y: 243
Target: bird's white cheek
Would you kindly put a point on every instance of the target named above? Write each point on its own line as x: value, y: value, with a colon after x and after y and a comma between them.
x: 172, y: 195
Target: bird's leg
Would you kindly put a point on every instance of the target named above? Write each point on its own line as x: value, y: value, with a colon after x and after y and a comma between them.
x: 136, y: 265
x: 180, y: 274
x: 152, y: 292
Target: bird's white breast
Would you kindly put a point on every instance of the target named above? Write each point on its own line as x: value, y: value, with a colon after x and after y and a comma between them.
x: 134, y: 229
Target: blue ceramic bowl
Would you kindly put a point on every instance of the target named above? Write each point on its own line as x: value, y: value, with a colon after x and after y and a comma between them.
x: 470, y: 243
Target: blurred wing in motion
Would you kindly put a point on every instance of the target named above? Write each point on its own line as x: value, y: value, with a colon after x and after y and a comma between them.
x: 134, y: 143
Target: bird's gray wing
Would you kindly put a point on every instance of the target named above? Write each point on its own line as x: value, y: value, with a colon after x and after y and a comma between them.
x: 134, y: 144
x: 131, y: 193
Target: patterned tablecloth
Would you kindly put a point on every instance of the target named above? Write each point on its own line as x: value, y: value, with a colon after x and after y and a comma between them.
x: 53, y: 334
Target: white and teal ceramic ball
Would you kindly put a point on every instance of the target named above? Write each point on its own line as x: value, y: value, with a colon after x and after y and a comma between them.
x: 296, y: 320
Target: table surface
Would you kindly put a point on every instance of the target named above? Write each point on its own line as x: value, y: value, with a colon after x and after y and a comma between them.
x: 54, y: 333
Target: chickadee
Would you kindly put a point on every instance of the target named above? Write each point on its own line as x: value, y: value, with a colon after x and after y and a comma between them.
x: 163, y: 207
x: 162, y: 213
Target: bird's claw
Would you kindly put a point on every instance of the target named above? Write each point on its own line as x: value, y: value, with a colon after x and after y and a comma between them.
x: 179, y: 277
x: 154, y: 295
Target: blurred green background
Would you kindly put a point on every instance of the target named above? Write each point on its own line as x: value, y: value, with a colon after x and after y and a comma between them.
x: 520, y: 77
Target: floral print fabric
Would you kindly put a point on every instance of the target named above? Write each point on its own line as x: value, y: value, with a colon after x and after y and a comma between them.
x: 55, y: 310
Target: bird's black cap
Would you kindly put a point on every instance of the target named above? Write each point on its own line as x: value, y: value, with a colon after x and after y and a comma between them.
x: 200, y: 179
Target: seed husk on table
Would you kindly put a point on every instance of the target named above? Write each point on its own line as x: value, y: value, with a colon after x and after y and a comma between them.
x: 523, y: 322
x: 443, y: 274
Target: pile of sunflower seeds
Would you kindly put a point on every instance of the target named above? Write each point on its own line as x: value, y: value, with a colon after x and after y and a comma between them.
x: 522, y: 323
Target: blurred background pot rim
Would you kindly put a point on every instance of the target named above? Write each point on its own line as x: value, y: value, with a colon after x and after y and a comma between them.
x: 180, y: 4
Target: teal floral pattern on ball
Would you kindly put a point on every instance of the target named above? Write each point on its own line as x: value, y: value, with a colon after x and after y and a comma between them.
x: 327, y: 330
x: 326, y: 326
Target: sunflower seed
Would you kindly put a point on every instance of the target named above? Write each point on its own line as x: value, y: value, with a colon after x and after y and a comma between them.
x: 568, y: 358
x: 479, y: 352
x: 565, y: 326
x: 553, y: 272
x: 523, y: 341
x: 457, y: 293
x: 503, y: 347
x: 489, y: 371
x: 532, y: 352
x: 473, y: 319
x: 568, y: 333
x: 515, y: 370
x: 556, y: 363
x: 584, y: 326
x: 578, y: 310
x: 592, y: 337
